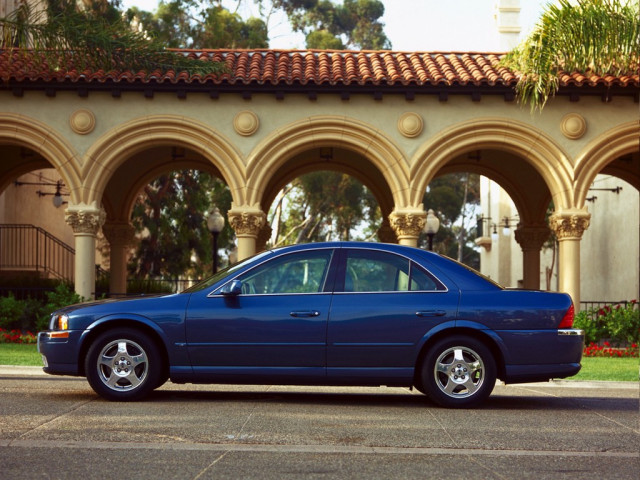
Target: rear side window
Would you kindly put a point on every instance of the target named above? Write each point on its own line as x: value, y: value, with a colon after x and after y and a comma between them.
x: 377, y: 271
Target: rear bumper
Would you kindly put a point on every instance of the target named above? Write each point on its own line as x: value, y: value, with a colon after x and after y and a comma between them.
x: 553, y: 354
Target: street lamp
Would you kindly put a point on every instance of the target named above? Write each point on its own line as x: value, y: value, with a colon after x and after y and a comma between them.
x: 431, y: 226
x: 215, y: 224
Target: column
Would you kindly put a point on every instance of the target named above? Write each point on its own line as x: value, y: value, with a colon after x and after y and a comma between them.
x: 569, y: 225
x: 386, y: 233
x: 408, y: 224
x: 85, y: 220
x: 121, y: 237
x: 247, y: 223
x: 531, y: 238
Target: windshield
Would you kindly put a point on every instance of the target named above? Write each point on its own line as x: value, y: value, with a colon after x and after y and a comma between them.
x: 225, y: 272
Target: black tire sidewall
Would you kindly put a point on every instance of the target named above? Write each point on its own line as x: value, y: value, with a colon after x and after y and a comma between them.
x: 428, y: 381
x: 154, y: 365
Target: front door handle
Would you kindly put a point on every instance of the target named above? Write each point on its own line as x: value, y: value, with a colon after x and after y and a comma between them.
x: 431, y: 313
x: 305, y: 313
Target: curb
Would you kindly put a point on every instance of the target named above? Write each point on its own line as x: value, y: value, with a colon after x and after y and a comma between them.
x: 20, y: 370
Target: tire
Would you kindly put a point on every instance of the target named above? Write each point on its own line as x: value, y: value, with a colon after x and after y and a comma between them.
x: 458, y: 372
x: 123, y: 365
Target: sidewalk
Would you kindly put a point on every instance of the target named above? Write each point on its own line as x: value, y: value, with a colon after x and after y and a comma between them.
x: 23, y: 371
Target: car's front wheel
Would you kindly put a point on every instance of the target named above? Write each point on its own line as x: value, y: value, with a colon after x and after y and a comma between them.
x: 123, y: 365
x: 458, y: 371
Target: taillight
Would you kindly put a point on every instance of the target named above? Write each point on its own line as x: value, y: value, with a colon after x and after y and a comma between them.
x: 567, y: 320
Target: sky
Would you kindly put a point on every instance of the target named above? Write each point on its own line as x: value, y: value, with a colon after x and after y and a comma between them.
x: 416, y: 25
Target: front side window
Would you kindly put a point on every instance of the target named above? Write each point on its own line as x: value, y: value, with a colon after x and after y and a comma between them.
x: 377, y: 271
x: 302, y: 272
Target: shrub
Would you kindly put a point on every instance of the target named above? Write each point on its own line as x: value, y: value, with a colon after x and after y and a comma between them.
x: 11, y: 312
x: 619, y: 324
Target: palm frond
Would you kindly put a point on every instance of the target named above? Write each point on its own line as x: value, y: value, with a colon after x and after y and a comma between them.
x: 593, y: 37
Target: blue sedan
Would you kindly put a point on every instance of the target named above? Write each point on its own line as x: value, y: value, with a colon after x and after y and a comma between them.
x: 342, y: 313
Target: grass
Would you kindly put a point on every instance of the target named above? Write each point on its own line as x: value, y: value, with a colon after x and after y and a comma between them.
x: 19, y: 354
x: 593, y: 368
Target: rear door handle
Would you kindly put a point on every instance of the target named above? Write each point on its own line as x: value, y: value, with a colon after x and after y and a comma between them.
x: 305, y: 313
x: 431, y: 313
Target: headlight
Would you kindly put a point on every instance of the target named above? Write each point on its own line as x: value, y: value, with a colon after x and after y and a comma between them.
x: 60, y: 322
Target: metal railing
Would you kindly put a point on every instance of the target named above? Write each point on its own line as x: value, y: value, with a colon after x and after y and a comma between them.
x: 594, y: 306
x: 27, y: 248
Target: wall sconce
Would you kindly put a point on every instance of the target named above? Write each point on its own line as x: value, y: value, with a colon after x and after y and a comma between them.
x: 57, y: 195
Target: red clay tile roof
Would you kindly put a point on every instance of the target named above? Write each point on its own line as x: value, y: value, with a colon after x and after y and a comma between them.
x: 319, y: 67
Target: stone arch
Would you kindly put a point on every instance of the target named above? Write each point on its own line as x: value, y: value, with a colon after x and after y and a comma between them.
x: 327, y: 131
x: 123, y: 141
x: 600, y: 152
x: 24, y: 131
x: 518, y: 138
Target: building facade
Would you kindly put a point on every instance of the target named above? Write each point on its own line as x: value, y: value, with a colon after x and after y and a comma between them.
x: 393, y: 120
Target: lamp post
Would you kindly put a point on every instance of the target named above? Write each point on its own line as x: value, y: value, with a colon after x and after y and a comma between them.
x: 215, y: 224
x: 431, y: 226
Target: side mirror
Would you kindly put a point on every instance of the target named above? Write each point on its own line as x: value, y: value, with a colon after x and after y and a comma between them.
x: 233, y: 288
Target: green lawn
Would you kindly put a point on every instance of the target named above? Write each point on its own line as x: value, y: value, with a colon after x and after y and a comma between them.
x: 593, y: 368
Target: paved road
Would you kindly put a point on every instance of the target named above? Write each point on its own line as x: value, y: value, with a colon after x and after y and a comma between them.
x: 56, y: 427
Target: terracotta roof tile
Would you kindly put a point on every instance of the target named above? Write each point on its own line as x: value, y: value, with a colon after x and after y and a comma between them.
x: 323, y: 67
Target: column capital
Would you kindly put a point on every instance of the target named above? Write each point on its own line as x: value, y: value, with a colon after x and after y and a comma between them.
x: 532, y: 237
x: 570, y: 224
x: 85, y: 219
x: 407, y: 224
x: 247, y: 222
x: 119, y: 233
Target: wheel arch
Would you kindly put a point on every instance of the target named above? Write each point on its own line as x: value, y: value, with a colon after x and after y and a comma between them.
x: 487, y: 337
x: 104, y: 325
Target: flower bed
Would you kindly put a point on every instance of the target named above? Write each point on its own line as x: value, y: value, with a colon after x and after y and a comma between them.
x: 606, y: 350
x: 16, y: 336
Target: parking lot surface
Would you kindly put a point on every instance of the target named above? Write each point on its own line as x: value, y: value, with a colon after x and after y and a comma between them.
x: 56, y: 427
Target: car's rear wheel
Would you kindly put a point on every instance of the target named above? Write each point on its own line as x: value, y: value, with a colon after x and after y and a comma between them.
x: 458, y: 371
x: 124, y: 365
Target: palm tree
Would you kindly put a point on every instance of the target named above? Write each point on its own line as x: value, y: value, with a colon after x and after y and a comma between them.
x: 593, y: 37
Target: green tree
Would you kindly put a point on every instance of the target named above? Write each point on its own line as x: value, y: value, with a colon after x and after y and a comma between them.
x: 170, y: 218
x: 324, y: 206
x: 452, y: 197
x: 197, y: 24
x: 95, y: 36
x: 350, y: 24
x: 594, y: 37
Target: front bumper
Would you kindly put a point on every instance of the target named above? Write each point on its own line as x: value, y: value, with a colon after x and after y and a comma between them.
x: 59, y: 351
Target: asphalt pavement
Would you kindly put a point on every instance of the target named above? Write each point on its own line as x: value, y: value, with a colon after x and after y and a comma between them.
x: 56, y: 427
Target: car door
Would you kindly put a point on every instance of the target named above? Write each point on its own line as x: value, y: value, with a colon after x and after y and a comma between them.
x: 276, y: 326
x: 383, y: 306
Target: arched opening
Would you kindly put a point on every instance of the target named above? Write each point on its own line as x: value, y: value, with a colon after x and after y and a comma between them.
x: 323, y: 180
x: 157, y: 203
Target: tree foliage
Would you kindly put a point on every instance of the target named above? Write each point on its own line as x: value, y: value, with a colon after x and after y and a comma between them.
x: 96, y: 36
x: 324, y: 206
x: 328, y: 24
x: 452, y: 198
x: 201, y: 24
x: 594, y: 37
x: 170, y: 217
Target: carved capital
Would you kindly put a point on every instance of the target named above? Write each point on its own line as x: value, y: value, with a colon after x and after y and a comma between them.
x: 570, y: 224
x: 407, y: 224
x: 119, y: 234
x: 247, y: 223
x: 532, y: 237
x: 85, y: 219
